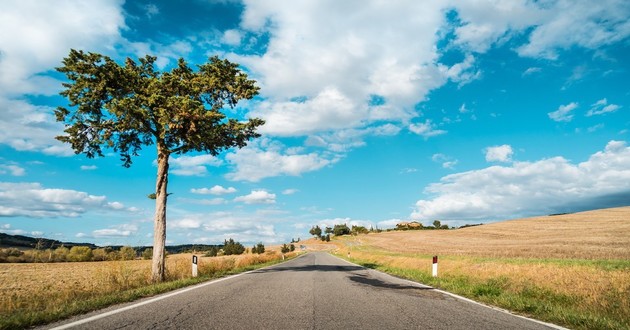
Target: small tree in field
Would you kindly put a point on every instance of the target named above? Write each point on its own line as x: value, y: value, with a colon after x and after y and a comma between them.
x: 126, y: 107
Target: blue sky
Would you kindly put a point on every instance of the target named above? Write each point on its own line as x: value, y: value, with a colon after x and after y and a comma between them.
x: 460, y: 111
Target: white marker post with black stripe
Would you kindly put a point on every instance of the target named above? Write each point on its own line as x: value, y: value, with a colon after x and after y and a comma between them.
x: 194, y: 266
x: 435, y: 262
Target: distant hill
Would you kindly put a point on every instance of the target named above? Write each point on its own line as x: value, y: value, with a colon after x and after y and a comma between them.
x: 598, y: 234
x: 25, y: 242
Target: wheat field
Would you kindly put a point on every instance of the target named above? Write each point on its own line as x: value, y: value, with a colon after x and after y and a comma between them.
x: 571, y: 269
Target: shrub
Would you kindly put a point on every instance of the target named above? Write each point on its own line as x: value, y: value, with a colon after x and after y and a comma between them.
x: 258, y: 248
x: 231, y: 247
x: 127, y: 253
x: 285, y: 248
x: 341, y: 230
x: 80, y: 253
x: 147, y: 254
x: 212, y: 252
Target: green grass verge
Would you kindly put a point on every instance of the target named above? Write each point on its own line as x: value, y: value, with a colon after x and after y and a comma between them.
x: 87, y: 303
x: 531, y: 301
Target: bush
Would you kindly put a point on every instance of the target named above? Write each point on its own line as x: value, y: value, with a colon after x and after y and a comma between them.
x: 127, y: 253
x: 231, y: 247
x: 258, y: 248
x: 285, y: 248
x: 212, y: 252
x: 80, y: 253
x: 147, y: 254
x: 341, y: 230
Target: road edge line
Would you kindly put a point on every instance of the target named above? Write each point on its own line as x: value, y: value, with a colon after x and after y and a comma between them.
x: 158, y: 298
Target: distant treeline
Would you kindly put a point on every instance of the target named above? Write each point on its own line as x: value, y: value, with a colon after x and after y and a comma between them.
x: 18, y: 248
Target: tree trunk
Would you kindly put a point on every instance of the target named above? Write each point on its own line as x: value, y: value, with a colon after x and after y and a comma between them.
x: 159, y: 227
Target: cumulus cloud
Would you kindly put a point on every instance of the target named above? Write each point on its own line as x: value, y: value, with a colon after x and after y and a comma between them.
x: 215, y: 190
x: 192, y: 165
x: 25, y: 57
x: 215, y: 227
x: 124, y: 230
x: 257, y: 197
x: 88, y: 167
x: 33, y: 200
x: 531, y: 188
x: 12, y: 169
x: 253, y: 163
x: 563, y: 114
x: 602, y: 107
x: 501, y: 153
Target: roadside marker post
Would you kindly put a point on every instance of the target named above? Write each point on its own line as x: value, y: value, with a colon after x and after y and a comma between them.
x: 435, y: 266
x: 194, y: 266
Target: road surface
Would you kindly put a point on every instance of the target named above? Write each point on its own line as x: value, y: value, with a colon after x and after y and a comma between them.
x: 314, y: 291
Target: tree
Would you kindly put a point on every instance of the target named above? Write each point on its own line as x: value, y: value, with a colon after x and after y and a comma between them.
x: 437, y: 224
x: 231, y: 247
x: 127, y: 253
x: 315, y: 231
x: 258, y: 248
x: 126, y: 107
x: 285, y: 248
x: 339, y: 230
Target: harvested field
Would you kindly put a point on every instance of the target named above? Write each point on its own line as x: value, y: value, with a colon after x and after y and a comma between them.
x: 601, y: 234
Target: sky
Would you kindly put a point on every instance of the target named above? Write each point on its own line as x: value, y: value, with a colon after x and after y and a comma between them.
x: 377, y: 112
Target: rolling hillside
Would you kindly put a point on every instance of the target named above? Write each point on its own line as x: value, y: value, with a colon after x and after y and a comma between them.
x: 599, y: 234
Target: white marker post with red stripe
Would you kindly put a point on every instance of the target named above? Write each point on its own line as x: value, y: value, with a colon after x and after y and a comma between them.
x: 435, y: 262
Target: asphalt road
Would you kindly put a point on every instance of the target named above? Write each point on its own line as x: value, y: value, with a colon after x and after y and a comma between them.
x: 315, y: 291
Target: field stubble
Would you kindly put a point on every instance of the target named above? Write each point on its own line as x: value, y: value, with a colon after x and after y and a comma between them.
x: 35, y: 293
x: 569, y: 269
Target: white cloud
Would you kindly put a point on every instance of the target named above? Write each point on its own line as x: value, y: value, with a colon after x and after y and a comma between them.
x: 568, y: 23
x: 12, y: 169
x: 289, y: 191
x: 44, y: 32
x: 502, y: 153
x: 602, y: 107
x: 446, y: 161
x: 426, y: 129
x: 257, y: 197
x: 88, y: 167
x: 123, y: 230
x: 531, y: 188
x: 232, y: 37
x: 193, y: 165
x: 215, y: 190
x: 252, y: 163
x: 322, y: 68
x: 531, y: 71
x: 32, y: 200
x: 563, y: 114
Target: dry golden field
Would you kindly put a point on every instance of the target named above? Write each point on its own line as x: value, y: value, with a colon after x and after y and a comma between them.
x: 31, y: 292
x: 571, y: 269
x: 601, y: 234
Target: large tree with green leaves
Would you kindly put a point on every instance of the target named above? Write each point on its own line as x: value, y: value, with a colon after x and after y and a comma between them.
x: 126, y: 107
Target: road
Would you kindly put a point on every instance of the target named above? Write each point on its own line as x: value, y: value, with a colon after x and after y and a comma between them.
x: 314, y: 291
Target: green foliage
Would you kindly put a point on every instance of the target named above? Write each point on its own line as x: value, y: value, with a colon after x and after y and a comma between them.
x: 127, y: 253
x: 328, y: 230
x: 359, y: 230
x: 292, y: 247
x: 285, y: 248
x: 147, y: 254
x: 327, y: 237
x: 315, y: 231
x: 231, y: 247
x: 125, y: 107
x: 258, y: 248
x: 80, y: 253
x: 212, y: 252
x: 339, y: 230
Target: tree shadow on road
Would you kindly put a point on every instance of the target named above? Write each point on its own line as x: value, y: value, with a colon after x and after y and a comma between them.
x: 311, y: 268
x: 363, y: 279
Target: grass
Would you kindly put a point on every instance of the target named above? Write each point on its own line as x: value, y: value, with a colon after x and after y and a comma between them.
x: 35, y: 294
x: 572, y: 270
x: 581, y: 297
